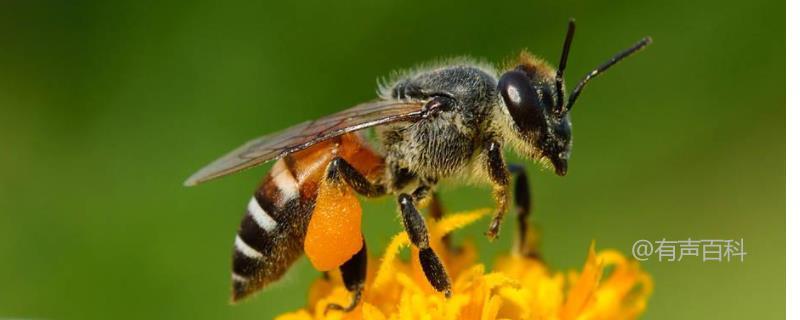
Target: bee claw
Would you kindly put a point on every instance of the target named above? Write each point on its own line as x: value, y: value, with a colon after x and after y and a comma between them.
x: 338, y: 307
x: 494, y: 229
x: 448, y: 293
x: 353, y: 303
x: 491, y: 235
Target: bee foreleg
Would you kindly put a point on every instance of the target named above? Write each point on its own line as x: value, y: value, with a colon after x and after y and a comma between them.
x: 354, y: 273
x: 339, y: 168
x: 418, y: 234
x: 523, y: 204
x: 499, y: 176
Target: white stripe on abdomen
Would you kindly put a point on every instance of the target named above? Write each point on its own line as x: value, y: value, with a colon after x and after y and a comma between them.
x: 285, y: 181
x: 246, y: 249
x: 264, y: 220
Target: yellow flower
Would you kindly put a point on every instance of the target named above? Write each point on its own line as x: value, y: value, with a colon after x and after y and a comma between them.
x: 519, y: 287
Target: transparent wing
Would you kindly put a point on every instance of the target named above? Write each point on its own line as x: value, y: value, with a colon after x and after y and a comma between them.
x: 306, y: 134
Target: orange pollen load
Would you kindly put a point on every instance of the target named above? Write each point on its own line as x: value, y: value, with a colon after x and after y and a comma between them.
x: 334, y: 232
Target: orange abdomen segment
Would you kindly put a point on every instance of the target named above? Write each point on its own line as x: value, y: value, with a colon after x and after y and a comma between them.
x: 334, y: 232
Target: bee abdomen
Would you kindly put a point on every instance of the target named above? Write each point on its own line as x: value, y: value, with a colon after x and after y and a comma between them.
x: 269, y: 240
x: 272, y: 233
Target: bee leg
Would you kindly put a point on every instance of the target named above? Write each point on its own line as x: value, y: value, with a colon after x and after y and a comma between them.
x: 354, y: 273
x: 499, y: 176
x: 523, y: 203
x: 341, y: 169
x: 418, y: 234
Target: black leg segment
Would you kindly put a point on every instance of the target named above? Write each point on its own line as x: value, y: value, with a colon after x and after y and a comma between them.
x: 418, y: 234
x: 434, y: 271
x: 340, y: 170
x: 354, y: 274
x: 413, y: 222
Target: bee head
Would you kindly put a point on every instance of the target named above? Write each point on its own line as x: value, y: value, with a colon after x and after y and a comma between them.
x: 533, y: 93
x: 531, y: 96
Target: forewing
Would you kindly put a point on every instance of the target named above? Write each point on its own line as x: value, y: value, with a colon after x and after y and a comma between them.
x: 306, y: 134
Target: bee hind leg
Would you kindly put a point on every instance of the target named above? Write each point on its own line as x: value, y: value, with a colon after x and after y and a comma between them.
x: 418, y: 234
x: 339, y: 169
x: 354, y: 273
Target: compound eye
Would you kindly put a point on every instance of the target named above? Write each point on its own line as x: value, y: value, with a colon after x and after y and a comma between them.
x: 521, y: 100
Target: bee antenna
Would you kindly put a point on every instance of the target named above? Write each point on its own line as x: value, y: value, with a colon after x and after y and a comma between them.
x: 603, y: 67
x: 563, y: 64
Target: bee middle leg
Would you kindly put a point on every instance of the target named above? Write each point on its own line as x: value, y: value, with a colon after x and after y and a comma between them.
x: 418, y: 234
x: 354, y: 274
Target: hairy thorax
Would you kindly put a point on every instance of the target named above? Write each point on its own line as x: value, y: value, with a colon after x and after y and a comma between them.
x: 445, y: 143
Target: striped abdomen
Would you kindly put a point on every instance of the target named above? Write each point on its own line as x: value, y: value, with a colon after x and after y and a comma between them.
x: 272, y: 232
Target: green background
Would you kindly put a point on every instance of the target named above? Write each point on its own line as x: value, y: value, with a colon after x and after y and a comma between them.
x: 105, y: 108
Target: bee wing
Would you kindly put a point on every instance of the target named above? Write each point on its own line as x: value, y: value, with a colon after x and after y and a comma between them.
x: 306, y: 134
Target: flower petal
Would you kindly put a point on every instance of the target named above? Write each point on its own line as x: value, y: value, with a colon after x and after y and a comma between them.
x: 386, y: 269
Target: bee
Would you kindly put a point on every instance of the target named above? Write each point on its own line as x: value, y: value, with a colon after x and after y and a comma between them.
x: 437, y: 123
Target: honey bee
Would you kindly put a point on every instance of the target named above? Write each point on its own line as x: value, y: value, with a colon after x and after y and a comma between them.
x: 441, y: 122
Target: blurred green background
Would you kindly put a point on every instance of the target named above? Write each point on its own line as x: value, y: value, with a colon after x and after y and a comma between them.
x: 106, y: 107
